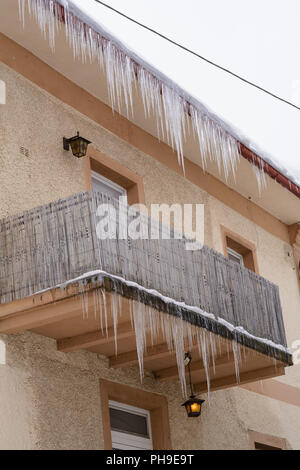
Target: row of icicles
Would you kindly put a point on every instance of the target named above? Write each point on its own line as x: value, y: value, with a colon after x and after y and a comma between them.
x: 176, y: 117
x: 151, y: 326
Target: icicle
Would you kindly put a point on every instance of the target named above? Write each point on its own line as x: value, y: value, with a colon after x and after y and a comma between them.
x: 151, y: 95
x: 131, y: 313
x: 105, y: 310
x: 84, y: 300
x: 213, y: 350
x: 260, y: 177
x: 178, y: 341
x: 21, y: 8
x: 175, y: 120
x: 202, y: 348
x: 115, y: 312
x: 101, y: 305
x: 140, y: 334
x: 96, y: 306
x: 237, y: 358
x: 190, y: 335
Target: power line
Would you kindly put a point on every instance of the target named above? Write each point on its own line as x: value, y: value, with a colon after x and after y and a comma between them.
x: 198, y: 55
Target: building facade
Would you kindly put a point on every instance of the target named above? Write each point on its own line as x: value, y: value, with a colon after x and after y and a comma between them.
x: 57, y: 395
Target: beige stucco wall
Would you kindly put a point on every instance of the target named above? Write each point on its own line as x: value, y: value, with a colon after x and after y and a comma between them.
x: 51, y: 399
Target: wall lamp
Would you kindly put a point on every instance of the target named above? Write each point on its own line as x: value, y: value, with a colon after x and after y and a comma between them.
x: 193, y: 404
x: 78, y: 145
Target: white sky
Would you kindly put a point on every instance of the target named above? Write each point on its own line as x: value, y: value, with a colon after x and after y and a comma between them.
x: 257, y: 39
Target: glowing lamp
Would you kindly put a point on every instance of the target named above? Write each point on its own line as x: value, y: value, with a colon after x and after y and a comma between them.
x: 193, y: 404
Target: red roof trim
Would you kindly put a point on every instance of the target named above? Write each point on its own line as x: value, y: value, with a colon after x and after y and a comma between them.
x: 269, y: 170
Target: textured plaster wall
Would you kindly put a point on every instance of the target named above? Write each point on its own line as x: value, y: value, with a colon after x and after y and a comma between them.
x: 51, y: 399
x: 35, y: 120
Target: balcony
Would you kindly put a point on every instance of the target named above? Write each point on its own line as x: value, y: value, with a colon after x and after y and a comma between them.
x: 142, y: 301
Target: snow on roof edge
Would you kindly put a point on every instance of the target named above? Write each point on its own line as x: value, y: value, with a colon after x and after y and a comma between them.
x: 229, y: 128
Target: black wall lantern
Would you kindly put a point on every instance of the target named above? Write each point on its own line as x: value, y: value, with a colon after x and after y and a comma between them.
x: 193, y: 404
x: 78, y: 145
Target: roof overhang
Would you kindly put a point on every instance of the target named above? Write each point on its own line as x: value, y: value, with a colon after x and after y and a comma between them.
x: 281, y: 200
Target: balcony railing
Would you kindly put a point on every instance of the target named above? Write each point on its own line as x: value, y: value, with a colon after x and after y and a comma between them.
x: 57, y: 242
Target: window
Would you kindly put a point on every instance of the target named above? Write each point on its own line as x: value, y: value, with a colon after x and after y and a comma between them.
x: 260, y: 441
x: 235, y: 256
x: 106, y: 186
x: 99, y: 168
x: 261, y: 446
x: 130, y: 427
x: 152, y: 405
x: 239, y: 250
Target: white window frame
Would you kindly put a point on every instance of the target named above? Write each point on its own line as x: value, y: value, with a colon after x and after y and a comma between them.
x: 123, y: 440
x: 109, y: 183
x: 237, y: 255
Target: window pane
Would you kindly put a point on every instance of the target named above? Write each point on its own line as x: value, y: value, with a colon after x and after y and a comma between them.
x: 234, y: 256
x: 105, y: 188
x: 128, y: 422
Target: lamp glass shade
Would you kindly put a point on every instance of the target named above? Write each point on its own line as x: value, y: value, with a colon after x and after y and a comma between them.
x: 193, y: 406
x: 79, y: 146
